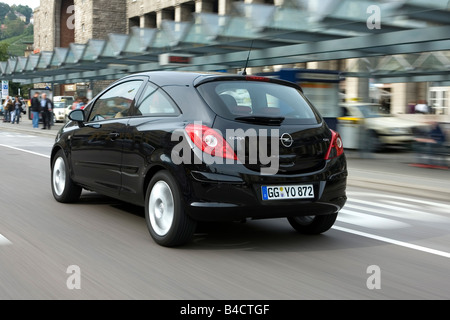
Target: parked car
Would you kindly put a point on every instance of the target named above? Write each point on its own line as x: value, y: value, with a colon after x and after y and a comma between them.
x: 180, y: 145
x: 59, y: 111
x: 68, y: 100
x: 382, y: 129
x: 66, y: 113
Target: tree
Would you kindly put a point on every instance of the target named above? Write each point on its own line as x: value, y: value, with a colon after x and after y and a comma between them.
x: 29, y: 31
x: 25, y: 10
x: 4, y: 10
x: 14, y: 28
x: 4, y: 56
x: 11, y: 16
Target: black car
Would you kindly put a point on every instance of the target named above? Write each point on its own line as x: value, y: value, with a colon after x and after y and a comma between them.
x: 195, y: 147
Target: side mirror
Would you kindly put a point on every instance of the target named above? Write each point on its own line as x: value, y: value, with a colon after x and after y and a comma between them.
x: 78, y: 116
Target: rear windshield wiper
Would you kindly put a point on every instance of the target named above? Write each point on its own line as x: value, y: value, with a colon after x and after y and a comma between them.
x: 262, y: 120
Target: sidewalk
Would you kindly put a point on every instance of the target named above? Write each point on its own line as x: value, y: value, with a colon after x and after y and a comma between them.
x: 395, y: 172
x: 26, y: 125
x: 390, y: 171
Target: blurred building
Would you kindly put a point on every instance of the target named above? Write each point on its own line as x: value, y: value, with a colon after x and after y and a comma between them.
x: 61, y: 22
x: 149, y: 14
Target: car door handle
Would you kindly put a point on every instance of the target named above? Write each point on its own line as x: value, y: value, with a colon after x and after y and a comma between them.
x: 114, y: 135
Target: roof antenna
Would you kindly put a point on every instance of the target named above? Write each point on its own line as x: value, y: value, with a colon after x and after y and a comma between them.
x: 244, y: 72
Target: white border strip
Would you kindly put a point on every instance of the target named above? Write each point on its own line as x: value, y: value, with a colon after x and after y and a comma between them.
x: 4, y: 241
x: 27, y: 151
x: 396, y: 242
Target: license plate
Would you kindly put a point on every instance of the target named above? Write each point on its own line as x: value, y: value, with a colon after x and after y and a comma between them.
x: 287, y: 192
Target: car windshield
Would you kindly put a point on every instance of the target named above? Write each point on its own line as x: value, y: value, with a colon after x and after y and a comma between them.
x: 240, y: 100
x: 59, y: 105
x: 372, y: 111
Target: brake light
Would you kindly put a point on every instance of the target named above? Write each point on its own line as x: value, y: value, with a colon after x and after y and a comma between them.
x: 210, y: 141
x: 257, y: 78
x: 336, y: 146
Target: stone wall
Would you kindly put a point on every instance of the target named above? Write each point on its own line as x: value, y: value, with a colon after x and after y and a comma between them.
x: 91, y: 19
x: 96, y: 19
x: 83, y: 20
x: 44, y: 26
x: 109, y: 16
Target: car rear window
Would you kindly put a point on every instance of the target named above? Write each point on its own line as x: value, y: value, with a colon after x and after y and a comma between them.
x: 235, y: 99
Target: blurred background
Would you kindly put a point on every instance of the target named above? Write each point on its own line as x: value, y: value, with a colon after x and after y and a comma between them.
x: 378, y: 71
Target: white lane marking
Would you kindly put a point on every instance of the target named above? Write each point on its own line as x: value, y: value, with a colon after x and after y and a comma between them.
x: 386, y: 206
x: 4, y: 241
x: 371, y: 194
x: 400, y: 204
x: 27, y: 151
x: 369, y: 221
x: 396, y: 242
x: 428, y: 217
x: 15, y: 135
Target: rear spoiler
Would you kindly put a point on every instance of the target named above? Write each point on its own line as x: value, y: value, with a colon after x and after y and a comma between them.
x: 203, y: 80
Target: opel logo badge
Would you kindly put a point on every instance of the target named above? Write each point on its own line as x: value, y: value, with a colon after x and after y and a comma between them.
x: 286, y: 140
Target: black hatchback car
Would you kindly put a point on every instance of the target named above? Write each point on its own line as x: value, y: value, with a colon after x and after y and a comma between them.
x: 195, y: 147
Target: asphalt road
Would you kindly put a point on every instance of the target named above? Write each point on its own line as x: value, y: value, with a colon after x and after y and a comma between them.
x: 384, y: 246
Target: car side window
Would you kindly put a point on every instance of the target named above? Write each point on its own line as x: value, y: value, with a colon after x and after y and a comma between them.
x: 116, y: 102
x: 155, y: 102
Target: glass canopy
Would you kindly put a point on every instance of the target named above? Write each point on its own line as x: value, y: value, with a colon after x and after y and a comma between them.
x: 397, y: 38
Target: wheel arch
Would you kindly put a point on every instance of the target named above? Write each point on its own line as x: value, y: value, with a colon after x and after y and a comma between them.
x: 55, y: 150
x: 178, y: 172
x: 150, y: 174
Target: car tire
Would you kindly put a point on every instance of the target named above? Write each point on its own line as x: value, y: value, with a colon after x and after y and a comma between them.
x: 63, y: 188
x: 165, y: 214
x: 313, y: 224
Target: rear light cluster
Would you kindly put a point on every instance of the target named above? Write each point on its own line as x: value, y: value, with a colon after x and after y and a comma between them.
x: 210, y: 141
x: 336, y: 146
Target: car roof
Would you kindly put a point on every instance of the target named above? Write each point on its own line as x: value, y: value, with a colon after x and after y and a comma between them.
x: 187, y: 78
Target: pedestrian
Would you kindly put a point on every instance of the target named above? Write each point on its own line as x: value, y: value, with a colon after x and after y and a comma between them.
x: 430, y: 146
x: 7, y: 107
x: 438, y: 148
x: 17, y: 110
x: 46, y: 111
x: 35, y: 110
x: 75, y: 103
x: 422, y: 107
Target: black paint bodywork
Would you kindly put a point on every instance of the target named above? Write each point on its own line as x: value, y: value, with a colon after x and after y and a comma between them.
x: 118, y: 157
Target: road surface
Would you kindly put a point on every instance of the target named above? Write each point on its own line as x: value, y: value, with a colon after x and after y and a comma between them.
x: 383, y: 246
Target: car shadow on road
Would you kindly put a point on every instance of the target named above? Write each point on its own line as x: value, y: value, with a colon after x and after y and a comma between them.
x: 267, y: 235
x: 271, y: 235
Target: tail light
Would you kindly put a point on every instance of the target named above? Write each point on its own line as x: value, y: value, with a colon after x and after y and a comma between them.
x: 210, y: 141
x: 336, y: 146
x: 257, y: 78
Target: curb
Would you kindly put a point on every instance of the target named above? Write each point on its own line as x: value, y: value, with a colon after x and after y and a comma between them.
x: 410, y: 189
x: 30, y: 130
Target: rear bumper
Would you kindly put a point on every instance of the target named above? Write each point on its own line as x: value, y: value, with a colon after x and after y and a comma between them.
x: 59, y: 117
x: 225, y: 197
x: 396, y: 139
